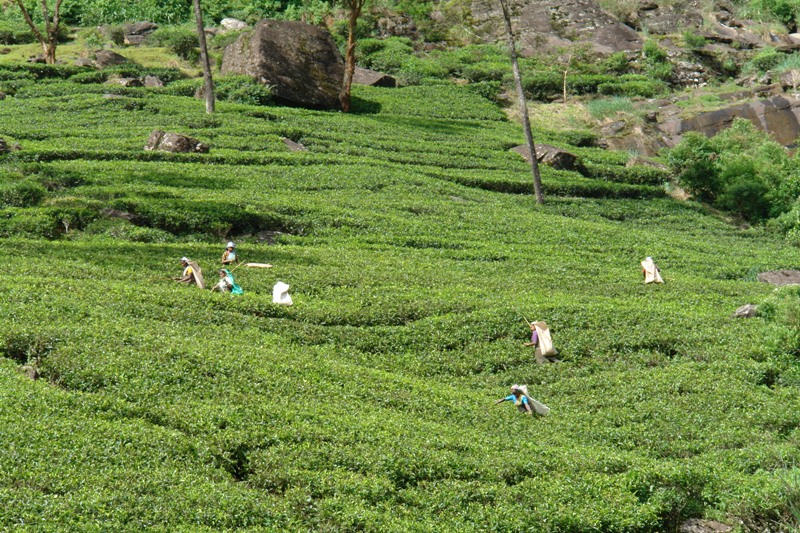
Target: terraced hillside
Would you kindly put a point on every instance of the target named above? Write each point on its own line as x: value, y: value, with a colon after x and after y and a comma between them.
x: 413, y: 246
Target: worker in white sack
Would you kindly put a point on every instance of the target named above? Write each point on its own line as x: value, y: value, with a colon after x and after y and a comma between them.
x: 192, y: 275
x: 525, y: 404
x: 544, y: 351
x: 650, y: 272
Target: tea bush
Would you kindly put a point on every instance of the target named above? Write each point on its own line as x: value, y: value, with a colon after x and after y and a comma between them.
x: 414, y: 249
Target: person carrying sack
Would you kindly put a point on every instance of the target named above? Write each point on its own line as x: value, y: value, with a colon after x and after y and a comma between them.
x: 191, y: 273
x: 525, y: 404
x: 650, y: 272
x: 544, y: 351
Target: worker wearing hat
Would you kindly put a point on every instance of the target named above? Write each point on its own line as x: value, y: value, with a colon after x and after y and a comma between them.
x: 229, y: 255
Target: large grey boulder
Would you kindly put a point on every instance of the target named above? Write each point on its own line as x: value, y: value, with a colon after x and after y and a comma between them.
x: 551, y: 24
x: 137, y: 32
x: 107, y: 58
x: 301, y: 62
x: 174, y: 142
x: 779, y: 116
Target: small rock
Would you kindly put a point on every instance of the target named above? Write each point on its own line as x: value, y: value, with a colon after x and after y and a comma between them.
x: 231, y: 24
x: 30, y: 371
x: 125, y: 82
x: 746, y: 311
x: 36, y: 59
x: 5, y: 50
x: 174, y: 142
x: 153, y: 81
x: 696, y: 525
x: 294, y: 146
x: 780, y: 277
x: 84, y: 62
x: 364, y: 76
x: 137, y: 32
x: 2, y: 95
x: 550, y: 155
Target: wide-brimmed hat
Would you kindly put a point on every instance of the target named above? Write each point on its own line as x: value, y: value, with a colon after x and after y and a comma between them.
x: 230, y: 245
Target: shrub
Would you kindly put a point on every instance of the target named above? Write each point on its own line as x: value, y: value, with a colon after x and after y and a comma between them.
x: 25, y: 193
x: 181, y: 41
x: 764, y: 60
x: 692, y: 40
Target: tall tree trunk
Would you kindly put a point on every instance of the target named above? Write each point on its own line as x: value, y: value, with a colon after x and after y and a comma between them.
x: 49, y: 39
x: 350, y: 57
x: 523, y: 106
x: 208, y: 81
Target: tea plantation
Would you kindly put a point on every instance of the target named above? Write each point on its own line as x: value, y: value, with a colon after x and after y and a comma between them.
x: 413, y: 246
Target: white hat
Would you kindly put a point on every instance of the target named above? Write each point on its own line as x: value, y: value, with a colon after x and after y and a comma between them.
x: 230, y: 245
x: 184, y: 259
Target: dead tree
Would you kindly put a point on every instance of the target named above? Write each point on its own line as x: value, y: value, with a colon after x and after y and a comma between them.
x: 523, y: 106
x: 354, y: 8
x: 49, y: 38
x: 208, y: 81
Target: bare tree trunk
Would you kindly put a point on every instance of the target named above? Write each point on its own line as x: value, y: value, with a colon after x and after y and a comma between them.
x: 350, y: 55
x: 523, y: 106
x: 204, y: 60
x: 49, y: 39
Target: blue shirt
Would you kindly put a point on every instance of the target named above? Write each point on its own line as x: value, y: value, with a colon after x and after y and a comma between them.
x: 512, y: 398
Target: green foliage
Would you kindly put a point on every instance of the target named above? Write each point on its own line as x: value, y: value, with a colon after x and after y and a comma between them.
x: 764, y: 60
x: 180, y: 40
x: 784, y: 11
x: 692, y: 40
x: 740, y: 170
x: 608, y: 107
x: 632, y: 85
x: 413, y: 245
x: 656, y: 61
x: 15, y: 32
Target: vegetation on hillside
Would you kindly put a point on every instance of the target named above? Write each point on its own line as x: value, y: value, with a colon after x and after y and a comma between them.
x: 410, y: 238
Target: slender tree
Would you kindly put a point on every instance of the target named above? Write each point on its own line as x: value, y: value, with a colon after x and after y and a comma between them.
x: 523, y: 106
x: 354, y: 8
x: 49, y: 37
x: 208, y: 80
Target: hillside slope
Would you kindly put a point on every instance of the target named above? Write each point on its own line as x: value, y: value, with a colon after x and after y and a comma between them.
x: 413, y: 248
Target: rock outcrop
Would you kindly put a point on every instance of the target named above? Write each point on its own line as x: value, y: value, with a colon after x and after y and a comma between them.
x: 365, y: 76
x: 780, y: 277
x: 778, y: 115
x: 301, y: 62
x: 137, y: 32
x: 174, y: 142
x: 551, y: 156
x: 746, y: 311
x: 553, y: 23
x: 107, y: 58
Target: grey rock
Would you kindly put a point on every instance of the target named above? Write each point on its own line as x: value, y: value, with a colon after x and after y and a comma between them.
x: 549, y: 24
x: 107, y: 58
x: 746, y: 311
x: 84, y: 62
x: 174, y: 142
x: 790, y: 79
x: 125, y: 82
x: 30, y: 371
x: 364, y: 76
x: 697, y: 525
x: 778, y: 115
x: 137, y: 32
x: 301, y: 62
x: 153, y: 81
x: 231, y: 24
x: 780, y: 277
x: 551, y: 156
x: 294, y: 146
